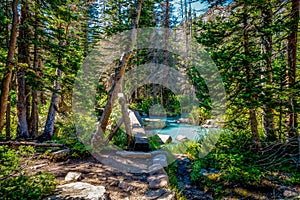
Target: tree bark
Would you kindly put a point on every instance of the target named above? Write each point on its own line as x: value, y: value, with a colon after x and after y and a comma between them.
x: 34, y: 102
x: 126, y: 120
x: 268, y: 111
x: 7, y: 123
x: 23, y: 59
x: 252, y: 110
x: 9, y: 63
x: 49, y: 127
x: 292, y: 66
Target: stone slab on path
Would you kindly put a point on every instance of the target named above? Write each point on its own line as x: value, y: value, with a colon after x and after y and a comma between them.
x: 79, y: 190
x: 160, y: 194
x: 158, y: 181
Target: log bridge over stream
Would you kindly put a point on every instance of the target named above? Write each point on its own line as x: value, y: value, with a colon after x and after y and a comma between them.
x: 140, y: 139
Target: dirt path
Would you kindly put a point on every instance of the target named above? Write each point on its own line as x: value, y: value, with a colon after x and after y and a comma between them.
x: 118, y: 185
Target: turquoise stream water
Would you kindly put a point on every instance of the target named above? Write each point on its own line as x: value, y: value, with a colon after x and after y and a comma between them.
x: 174, y: 129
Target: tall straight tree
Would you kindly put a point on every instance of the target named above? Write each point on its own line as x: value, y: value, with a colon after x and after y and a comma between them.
x: 9, y: 63
x: 33, y: 126
x: 267, y: 51
x: 249, y: 76
x: 23, y: 64
x: 292, y: 64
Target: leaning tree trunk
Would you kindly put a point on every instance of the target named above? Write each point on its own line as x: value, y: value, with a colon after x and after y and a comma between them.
x: 120, y: 71
x: 49, y: 127
x: 23, y: 59
x: 9, y: 63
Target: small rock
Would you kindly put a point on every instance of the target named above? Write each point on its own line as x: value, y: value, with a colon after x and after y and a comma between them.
x: 72, y: 176
x: 166, y: 139
x: 183, y: 120
x: 123, y: 185
x: 181, y: 138
x: 60, y: 155
x: 203, y: 172
x: 160, y: 159
x: 158, y: 181
x: 39, y: 166
x: 114, y: 183
x: 289, y: 193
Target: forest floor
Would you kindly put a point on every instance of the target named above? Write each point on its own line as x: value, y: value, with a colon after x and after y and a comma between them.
x: 130, y: 186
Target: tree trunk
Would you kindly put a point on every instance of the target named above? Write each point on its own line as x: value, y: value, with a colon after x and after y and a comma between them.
x: 119, y: 73
x: 268, y: 111
x: 292, y: 65
x: 34, y: 102
x: 49, y: 127
x: 252, y: 111
x: 9, y: 63
x: 23, y: 59
x: 7, y: 125
x: 126, y: 120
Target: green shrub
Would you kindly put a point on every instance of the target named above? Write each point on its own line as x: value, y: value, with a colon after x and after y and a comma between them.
x: 120, y: 139
x: 77, y: 149
x: 15, y: 182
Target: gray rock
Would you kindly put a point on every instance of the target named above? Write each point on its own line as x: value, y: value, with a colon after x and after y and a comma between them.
x: 79, y: 190
x: 181, y: 138
x: 158, y: 181
x: 156, y: 169
x: 60, y: 155
x: 289, y: 193
x: 183, y: 120
x: 72, y: 176
x: 160, y: 159
x: 166, y: 139
x: 125, y: 186
x: 203, y: 172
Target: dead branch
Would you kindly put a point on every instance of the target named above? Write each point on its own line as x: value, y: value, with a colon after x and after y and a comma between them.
x: 35, y: 144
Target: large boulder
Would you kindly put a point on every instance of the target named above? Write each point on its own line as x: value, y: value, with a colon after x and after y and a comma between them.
x: 150, y: 124
x: 79, y: 190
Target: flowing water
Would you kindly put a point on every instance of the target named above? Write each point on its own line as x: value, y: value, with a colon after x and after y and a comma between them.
x: 174, y: 129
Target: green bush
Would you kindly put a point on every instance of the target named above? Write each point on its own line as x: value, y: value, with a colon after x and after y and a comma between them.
x: 236, y: 161
x: 77, y: 149
x: 15, y: 182
x: 120, y: 139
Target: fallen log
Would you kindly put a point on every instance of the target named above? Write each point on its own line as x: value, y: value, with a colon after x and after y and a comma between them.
x: 36, y: 144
